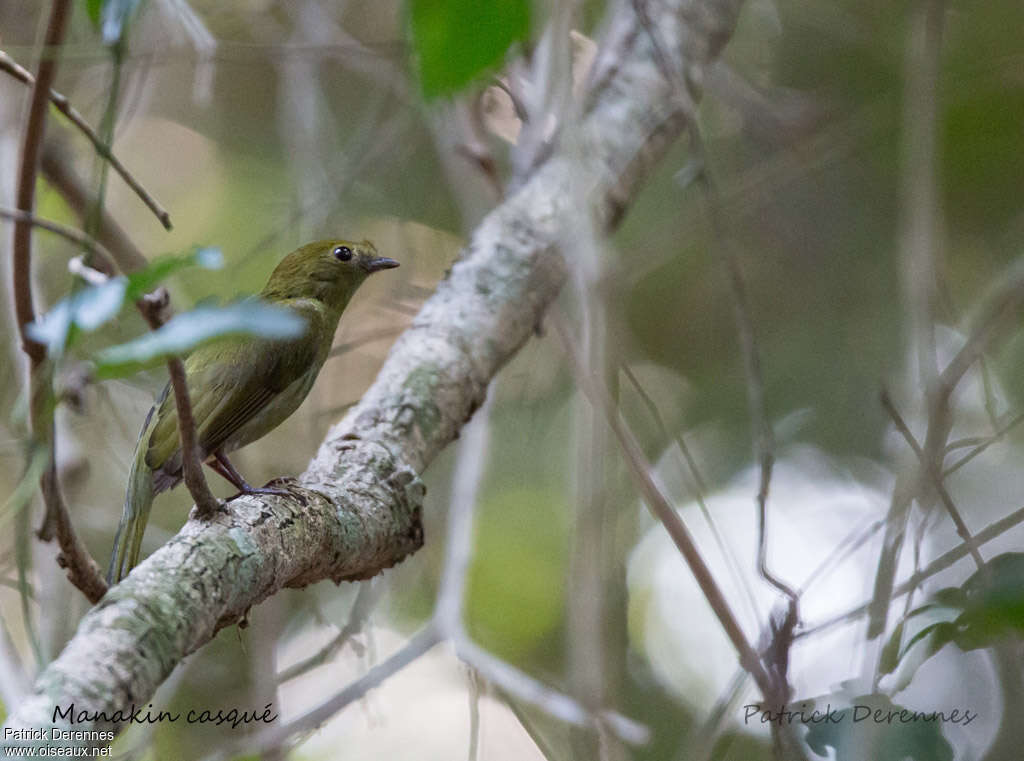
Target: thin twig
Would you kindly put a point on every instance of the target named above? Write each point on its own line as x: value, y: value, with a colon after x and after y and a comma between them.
x: 369, y: 593
x: 992, y: 531
x: 700, y: 490
x: 458, y: 549
x: 475, y: 690
x: 82, y: 569
x: 663, y: 510
x: 106, y: 261
x: 764, y: 438
x: 985, y: 444
x: 561, y: 706
x: 151, y: 307
x: 283, y: 735
x: 935, y: 477
x: 62, y: 104
x: 57, y: 167
x: 206, y: 503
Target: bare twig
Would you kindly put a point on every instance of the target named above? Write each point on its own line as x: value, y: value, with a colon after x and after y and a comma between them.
x: 993, y: 531
x: 106, y: 261
x: 82, y: 570
x: 475, y: 690
x: 982, y: 445
x: 935, y: 477
x: 58, y: 169
x: 62, y: 104
x: 699, y: 491
x: 151, y: 308
x: 920, y: 242
x: 661, y: 507
x: 764, y: 438
x: 283, y: 735
x: 206, y: 503
x: 561, y: 706
x: 369, y: 593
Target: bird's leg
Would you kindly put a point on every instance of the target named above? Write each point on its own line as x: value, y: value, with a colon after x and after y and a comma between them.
x: 223, y: 467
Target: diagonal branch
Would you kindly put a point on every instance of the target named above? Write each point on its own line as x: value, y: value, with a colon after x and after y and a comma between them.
x: 356, y: 508
x: 62, y: 104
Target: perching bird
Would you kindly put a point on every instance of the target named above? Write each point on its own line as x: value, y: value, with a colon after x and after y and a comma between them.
x: 242, y: 389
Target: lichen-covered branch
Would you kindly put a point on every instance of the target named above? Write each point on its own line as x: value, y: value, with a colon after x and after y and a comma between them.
x: 356, y: 508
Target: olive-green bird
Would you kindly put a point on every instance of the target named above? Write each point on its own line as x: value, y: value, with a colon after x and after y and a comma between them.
x: 243, y: 388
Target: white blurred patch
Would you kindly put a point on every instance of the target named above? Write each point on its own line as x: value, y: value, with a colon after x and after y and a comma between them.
x: 421, y: 712
x: 813, y: 507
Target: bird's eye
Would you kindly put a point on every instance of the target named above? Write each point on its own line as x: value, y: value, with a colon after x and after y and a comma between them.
x: 343, y: 253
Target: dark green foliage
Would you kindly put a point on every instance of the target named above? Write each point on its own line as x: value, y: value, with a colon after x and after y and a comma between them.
x: 457, y: 40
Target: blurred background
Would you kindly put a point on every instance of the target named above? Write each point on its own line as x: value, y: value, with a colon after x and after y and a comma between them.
x: 261, y: 125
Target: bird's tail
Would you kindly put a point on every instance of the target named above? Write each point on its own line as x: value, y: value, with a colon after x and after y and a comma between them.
x: 137, y: 501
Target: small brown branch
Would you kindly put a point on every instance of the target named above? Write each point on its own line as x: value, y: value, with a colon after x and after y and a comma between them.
x: 930, y: 468
x: 206, y: 503
x: 82, y: 570
x: 764, y: 437
x: 152, y: 307
x: 62, y: 104
x: 663, y: 510
x: 58, y: 170
x: 105, y: 263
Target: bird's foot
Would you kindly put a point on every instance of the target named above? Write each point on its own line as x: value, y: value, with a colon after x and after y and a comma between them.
x: 285, y: 481
x: 278, y: 486
x: 261, y: 490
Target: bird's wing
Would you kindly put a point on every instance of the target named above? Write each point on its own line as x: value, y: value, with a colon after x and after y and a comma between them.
x: 229, y: 384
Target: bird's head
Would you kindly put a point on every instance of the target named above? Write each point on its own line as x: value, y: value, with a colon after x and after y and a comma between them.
x: 327, y: 270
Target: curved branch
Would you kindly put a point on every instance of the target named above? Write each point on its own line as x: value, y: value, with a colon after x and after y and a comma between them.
x: 356, y: 508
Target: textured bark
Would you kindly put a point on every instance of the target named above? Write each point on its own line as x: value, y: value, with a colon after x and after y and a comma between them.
x: 357, y: 506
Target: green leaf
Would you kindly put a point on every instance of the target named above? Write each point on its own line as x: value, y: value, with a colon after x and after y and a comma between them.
x: 93, y: 8
x: 942, y: 633
x: 186, y: 331
x: 39, y: 459
x: 93, y: 306
x: 145, y: 280
x: 457, y: 40
x: 890, y: 657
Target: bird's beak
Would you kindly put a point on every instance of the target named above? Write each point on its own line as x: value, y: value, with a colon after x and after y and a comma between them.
x: 380, y: 263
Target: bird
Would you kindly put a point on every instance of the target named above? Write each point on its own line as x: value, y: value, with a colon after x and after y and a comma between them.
x: 242, y: 388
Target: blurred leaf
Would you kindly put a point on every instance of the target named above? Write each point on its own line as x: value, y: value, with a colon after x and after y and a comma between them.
x: 93, y: 306
x: 26, y: 488
x: 93, y: 8
x: 990, y: 605
x: 114, y: 16
x: 995, y: 603
x: 186, y: 331
x: 874, y: 724
x: 52, y: 328
x: 890, y: 657
x: 145, y: 280
x: 457, y: 40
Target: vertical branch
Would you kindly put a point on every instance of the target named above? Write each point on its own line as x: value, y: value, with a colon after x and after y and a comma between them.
x: 206, y: 504
x: 920, y: 234
x: 195, y: 481
x: 82, y: 570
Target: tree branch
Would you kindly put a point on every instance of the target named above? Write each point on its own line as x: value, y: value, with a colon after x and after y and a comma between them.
x: 356, y: 508
x: 82, y: 570
x: 62, y: 104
